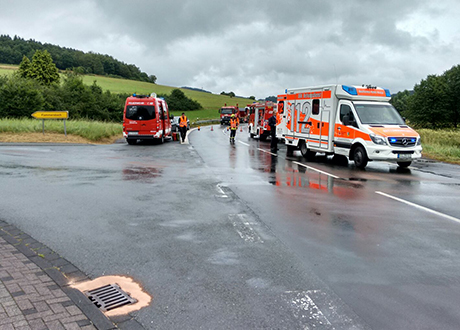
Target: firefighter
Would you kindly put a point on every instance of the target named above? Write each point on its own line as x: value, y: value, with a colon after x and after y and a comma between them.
x: 274, y: 141
x: 234, y: 122
x: 183, y: 126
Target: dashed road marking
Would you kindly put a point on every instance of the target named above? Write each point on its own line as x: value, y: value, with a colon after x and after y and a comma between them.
x: 222, y: 192
x: 317, y: 170
x: 419, y: 207
x: 307, y: 311
x: 244, y: 228
x: 268, y: 152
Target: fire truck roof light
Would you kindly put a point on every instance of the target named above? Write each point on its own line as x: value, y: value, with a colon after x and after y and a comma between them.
x: 350, y: 90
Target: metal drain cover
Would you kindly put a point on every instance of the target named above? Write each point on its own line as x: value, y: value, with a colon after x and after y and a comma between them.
x: 109, y: 297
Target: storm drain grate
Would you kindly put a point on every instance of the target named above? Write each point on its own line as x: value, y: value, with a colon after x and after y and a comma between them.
x: 109, y: 297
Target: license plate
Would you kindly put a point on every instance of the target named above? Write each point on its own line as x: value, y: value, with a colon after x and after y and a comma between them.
x: 133, y: 133
x: 404, y: 156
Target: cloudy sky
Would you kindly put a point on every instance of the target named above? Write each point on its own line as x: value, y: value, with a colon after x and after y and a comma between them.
x: 253, y: 47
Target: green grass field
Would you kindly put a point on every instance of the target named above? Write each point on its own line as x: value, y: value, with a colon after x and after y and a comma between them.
x: 210, y: 102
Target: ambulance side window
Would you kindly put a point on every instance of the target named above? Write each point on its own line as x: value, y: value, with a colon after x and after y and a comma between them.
x: 345, y: 110
x: 315, y: 107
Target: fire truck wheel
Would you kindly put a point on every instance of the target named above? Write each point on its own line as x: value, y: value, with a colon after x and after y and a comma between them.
x: 360, y: 157
x: 131, y: 141
x: 162, y: 139
x: 404, y: 164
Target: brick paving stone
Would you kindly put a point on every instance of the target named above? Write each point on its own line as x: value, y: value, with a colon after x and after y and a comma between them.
x: 29, y: 297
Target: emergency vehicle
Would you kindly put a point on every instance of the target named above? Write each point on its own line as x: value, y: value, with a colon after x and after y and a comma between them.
x: 259, y: 113
x: 226, y: 113
x: 146, y: 117
x: 243, y: 115
x: 353, y: 121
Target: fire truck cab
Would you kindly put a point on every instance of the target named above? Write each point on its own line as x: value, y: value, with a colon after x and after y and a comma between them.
x: 226, y: 113
x: 259, y: 113
x: 146, y: 117
x: 353, y: 121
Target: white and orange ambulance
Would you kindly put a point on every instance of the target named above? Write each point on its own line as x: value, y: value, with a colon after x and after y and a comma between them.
x: 353, y: 121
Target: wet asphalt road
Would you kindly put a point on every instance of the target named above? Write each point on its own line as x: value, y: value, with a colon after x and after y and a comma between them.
x: 233, y: 237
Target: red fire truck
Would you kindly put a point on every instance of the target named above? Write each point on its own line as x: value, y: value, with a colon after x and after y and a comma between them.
x: 226, y: 112
x: 259, y: 113
x: 146, y: 117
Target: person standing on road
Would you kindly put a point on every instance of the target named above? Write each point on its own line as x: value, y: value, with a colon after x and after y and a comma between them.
x: 234, y: 122
x: 274, y: 141
x: 183, y: 126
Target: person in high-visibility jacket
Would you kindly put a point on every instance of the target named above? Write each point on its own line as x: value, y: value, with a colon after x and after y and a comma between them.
x: 234, y: 122
x: 183, y: 126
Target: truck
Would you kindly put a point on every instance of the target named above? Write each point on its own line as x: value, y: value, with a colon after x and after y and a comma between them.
x: 226, y: 112
x: 146, y: 117
x: 259, y: 113
x: 353, y: 121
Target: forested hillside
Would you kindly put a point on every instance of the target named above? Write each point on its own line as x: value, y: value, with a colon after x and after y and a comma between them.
x: 12, y: 51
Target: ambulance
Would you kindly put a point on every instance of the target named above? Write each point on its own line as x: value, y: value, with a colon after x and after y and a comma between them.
x: 259, y: 113
x: 146, y: 117
x: 354, y: 121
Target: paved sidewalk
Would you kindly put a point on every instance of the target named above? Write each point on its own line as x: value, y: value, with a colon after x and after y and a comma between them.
x: 34, y: 292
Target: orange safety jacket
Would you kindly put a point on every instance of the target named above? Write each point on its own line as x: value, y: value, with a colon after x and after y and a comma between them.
x: 183, y: 121
x: 234, y: 123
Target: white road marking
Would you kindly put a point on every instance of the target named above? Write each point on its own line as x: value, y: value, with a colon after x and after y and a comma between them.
x: 244, y: 228
x: 268, y: 152
x: 419, y: 207
x: 306, y: 310
x: 224, y: 195
x: 246, y: 144
x: 317, y: 170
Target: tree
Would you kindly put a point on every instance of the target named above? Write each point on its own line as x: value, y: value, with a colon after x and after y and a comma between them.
x: 43, y: 69
x: 178, y: 101
x: 24, y: 67
x: 427, y: 107
x: 453, y: 93
x: 401, y: 101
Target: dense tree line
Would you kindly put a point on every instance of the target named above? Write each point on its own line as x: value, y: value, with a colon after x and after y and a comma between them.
x: 178, y: 101
x: 434, y: 102
x: 12, y: 51
x: 20, y: 97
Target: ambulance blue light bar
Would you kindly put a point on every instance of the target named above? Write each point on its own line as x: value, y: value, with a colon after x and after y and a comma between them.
x: 350, y: 90
x: 387, y: 92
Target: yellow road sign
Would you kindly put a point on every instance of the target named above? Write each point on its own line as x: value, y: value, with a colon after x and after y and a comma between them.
x: 51, y: 114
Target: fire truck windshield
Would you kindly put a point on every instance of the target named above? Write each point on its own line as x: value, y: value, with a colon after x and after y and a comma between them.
x: 226, y: 111
x: 140, y: 112
x: 378, y: 114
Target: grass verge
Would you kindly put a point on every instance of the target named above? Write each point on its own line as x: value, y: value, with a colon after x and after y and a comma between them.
x: 92, y: 131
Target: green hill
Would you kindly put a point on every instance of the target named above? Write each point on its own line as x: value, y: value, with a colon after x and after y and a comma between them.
x: 210, y: 102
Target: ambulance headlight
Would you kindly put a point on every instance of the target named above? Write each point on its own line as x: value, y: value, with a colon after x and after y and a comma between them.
x: 419, y: 141
x: 377, y: 139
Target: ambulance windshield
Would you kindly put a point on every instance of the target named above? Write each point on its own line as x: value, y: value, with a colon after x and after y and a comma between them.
x: 378, y: 114
x: 140, y: 112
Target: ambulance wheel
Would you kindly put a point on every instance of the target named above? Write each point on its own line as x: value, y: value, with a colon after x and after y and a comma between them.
x: 404, y: 164
x: 360, y: 157
x: 306, y: 153
x: 131, y: 141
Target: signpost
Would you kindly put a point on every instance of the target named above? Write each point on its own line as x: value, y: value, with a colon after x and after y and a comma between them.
x: 51, y: 115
